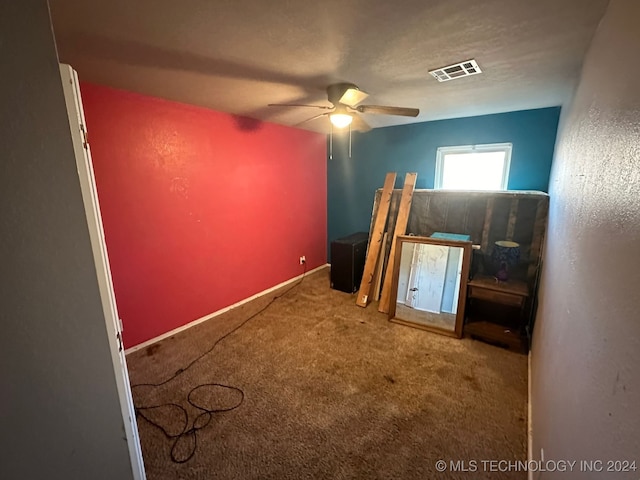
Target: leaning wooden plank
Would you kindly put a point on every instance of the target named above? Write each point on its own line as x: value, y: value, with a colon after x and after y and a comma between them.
x: 401, y: 228
x: 375, y: 242
x: 513, y: 217
x: 538, y: 235
x: 487, y: 225
x: 379, y: 268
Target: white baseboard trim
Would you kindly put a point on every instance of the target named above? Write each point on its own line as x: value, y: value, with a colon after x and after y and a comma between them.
x: 220, y: 312
x: 529, y: 416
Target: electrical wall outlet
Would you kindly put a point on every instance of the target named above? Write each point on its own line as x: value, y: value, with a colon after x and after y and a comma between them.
x: 303, y: 260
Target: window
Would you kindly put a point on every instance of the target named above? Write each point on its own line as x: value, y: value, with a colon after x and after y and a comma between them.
x: 473, y: 167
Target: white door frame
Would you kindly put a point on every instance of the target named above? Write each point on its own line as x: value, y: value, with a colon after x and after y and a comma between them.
x: 94, y: 220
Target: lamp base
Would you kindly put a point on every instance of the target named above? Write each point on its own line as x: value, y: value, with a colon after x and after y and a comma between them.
x: 502, y: 275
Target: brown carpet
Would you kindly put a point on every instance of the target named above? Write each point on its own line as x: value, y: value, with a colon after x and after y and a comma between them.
x: 332, y: 391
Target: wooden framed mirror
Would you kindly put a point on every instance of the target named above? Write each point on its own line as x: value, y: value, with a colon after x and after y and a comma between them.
x: 429, y: 287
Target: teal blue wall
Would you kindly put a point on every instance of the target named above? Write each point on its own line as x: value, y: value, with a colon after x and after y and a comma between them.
x: 352, y: 182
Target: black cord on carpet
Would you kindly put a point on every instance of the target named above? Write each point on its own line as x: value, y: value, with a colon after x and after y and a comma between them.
x: 189, y: 431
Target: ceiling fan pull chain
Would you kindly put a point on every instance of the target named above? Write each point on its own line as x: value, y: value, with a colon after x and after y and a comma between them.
x: 349, y: 140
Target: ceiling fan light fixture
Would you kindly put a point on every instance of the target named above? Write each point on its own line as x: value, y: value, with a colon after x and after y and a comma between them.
x: 345, y: 108
x: 340, y: 120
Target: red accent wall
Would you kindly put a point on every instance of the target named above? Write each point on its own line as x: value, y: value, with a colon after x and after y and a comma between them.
x: 201, y: 209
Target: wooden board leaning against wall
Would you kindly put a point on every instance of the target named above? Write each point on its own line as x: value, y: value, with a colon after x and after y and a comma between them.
x: 400, y: 228
x: 376, y: 236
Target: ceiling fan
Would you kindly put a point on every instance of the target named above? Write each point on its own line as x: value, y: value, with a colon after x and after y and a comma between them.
x: 345, y: 99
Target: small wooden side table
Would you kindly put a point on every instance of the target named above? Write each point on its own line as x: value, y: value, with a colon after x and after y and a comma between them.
x: 495, y: 311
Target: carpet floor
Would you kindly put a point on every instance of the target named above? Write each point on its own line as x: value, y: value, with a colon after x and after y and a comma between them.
x: 328, y: 390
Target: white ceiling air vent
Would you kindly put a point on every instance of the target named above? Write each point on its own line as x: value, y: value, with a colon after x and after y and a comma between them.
x: 457, y: 70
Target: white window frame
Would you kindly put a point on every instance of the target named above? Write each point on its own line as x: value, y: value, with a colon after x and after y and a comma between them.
x: 489, y: 147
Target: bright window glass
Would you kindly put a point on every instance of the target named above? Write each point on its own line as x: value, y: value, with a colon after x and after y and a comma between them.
x: 479, y: 167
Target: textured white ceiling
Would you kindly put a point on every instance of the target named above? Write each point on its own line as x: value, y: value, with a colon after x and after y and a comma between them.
x: 239, y: 55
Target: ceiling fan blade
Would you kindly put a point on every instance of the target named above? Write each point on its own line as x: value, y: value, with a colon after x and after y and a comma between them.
x: 324, y: 107
x: 310, y: 119
x: 353, y: 96
x: 358, y: 124
x: 383, y: 110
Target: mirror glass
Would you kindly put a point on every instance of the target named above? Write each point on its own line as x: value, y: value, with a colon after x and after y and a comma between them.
x: 430, y: 285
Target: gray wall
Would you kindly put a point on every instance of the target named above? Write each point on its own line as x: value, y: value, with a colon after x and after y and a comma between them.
x: 586, y: 346
x: 60, y: 413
